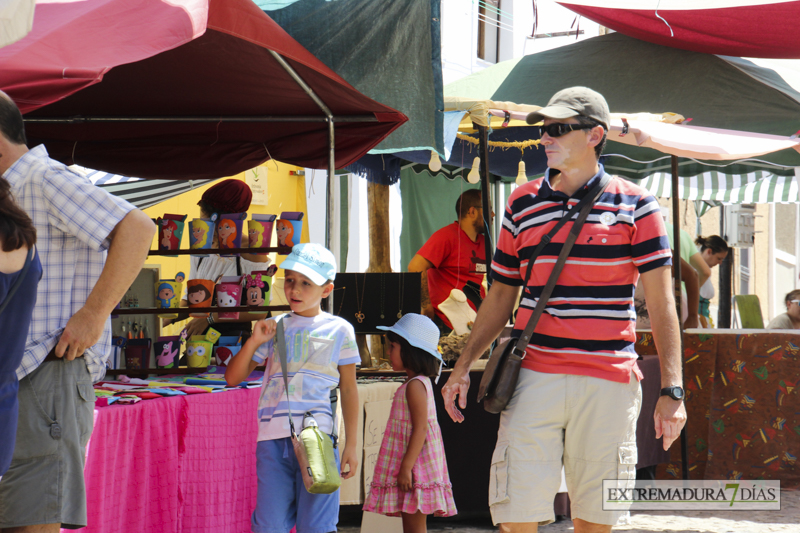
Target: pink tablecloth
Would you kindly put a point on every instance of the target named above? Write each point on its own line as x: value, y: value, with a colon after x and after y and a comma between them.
x: 184, y: 463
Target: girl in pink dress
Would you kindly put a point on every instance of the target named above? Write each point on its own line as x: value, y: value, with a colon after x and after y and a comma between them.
x: 411, y: 478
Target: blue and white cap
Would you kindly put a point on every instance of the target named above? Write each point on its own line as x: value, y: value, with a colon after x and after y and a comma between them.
x: 420, y: 332
x: 312, y: 260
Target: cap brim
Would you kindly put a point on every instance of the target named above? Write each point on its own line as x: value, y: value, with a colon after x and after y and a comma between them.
x: 555, y: 111
x: 307, y: 271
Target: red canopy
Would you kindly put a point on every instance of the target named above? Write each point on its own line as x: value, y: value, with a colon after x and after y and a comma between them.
x: 189, y: 60
x: 742, y: 28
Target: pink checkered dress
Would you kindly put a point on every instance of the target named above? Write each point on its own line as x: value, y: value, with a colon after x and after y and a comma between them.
x: 432, y: 493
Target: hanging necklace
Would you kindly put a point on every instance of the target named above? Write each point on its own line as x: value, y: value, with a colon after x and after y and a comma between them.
x: 400, y: 298
x: 382, y: 296
x: 341, y: 302
x: 359, y: 314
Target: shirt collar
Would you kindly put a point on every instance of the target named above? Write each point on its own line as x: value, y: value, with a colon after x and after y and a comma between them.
x: 546, y: 190
x: 36, y: 152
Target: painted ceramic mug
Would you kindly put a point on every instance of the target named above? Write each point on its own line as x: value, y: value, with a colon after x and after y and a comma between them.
x: 168, y: 295
x: 137, y: 354
x: 201, y: 234
x: 170, y: 231
x: 229, y: 294
x: 259, y: 231
x: 199, y: 293
x: 229, y: 231
x: 167, y: 351
x: 198, y: 351
x: 227, y: 348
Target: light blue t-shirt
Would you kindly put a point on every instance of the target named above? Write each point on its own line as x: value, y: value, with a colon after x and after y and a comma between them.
x: 317, y: 346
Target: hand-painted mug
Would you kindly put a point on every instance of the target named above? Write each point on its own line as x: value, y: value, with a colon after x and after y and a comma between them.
x: 167, y: 351
x: 228, y: 347
x: 198, y: 351
x: 229, y: 294
x: 168, y: 295
x: 289, y: 228
x: 259, y: 231
x: 170, y: 231
x: 256, y: 289
x: 199, y: 293
x: 201, y: 234
x: 229, y: 231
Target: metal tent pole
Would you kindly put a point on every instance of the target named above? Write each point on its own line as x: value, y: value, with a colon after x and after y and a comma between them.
x: 486, y: 200
x: 676, y: 268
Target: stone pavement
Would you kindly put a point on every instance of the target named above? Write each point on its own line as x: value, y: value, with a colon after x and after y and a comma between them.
x: 785, y: 520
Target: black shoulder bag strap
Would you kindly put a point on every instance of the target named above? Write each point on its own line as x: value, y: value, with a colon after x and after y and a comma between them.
x: 23, y: 273
x: 584, y: 207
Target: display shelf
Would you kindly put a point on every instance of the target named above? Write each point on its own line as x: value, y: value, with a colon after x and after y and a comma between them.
x: 280, y: 250
x: 188, y: 310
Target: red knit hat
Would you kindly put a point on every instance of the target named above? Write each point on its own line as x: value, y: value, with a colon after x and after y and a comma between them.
x: 229, y: 196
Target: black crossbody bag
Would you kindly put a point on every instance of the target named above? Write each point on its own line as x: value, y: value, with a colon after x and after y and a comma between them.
x: 502, y: 370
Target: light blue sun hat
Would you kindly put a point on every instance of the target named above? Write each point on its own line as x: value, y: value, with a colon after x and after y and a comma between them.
x: 420, y: 332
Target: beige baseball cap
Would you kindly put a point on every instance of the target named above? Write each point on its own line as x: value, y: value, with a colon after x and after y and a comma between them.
x: 572, y: 102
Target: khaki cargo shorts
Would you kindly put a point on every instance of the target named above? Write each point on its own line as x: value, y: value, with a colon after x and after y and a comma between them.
x: 586, y: 424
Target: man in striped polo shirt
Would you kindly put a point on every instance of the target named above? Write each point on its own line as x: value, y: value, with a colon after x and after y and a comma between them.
x: 578, y: 394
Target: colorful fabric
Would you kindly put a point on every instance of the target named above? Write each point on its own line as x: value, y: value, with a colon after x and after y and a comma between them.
x: 456, y: 260
x: 73, y: 220
x: 317, y: 346
x: 588, y: 326
x: 432, y: 493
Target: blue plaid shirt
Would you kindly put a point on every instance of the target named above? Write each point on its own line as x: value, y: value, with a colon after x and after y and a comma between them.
x: 73, y: 219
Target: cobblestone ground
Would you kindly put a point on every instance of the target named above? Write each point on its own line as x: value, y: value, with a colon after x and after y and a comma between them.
x: 787, y: 519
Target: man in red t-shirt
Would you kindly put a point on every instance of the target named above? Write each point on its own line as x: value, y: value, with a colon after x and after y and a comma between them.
x: 452, y: 256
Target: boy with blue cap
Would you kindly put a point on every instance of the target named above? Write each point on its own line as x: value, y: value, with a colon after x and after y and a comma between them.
x: 321, y: 354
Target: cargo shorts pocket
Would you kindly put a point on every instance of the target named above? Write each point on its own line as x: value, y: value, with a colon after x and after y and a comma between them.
x: 498, y: 475
x: 84, y: 410
x: 626, y: 465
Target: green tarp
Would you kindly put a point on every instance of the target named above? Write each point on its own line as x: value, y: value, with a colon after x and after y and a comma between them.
x: 636, y: 76
x: 388, y: 50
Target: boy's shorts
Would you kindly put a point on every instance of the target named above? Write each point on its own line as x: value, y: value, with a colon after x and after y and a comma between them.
x: 586, y: 423
x: 283, y: 500
x: 45, y: 484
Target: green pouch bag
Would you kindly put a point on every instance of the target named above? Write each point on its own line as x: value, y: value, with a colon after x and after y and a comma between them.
x: 313, y: 448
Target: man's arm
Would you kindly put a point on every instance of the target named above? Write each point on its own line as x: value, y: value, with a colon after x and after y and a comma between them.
x: 420, y: 264
x: 670, y: 415
x: 130, y: 242
x: 492, y: 317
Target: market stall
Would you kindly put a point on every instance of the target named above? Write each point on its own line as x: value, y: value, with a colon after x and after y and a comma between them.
x: 741, y: 401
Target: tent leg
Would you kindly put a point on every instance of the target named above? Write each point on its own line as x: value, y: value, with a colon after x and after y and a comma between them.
x: 676, y: 268
x: 486, y: 200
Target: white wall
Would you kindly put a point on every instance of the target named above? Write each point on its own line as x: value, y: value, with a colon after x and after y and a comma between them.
x: 460, y: 33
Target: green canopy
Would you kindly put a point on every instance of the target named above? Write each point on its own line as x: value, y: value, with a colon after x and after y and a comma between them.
x: 635, y: 76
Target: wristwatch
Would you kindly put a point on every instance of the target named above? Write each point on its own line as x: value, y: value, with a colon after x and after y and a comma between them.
x: 676, y: 393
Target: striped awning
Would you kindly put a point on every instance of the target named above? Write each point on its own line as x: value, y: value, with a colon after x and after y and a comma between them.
x: 140, y: 192
x: 753, y: 188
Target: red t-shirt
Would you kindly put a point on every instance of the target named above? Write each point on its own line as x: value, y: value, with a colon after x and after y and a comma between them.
x: 456, y: 260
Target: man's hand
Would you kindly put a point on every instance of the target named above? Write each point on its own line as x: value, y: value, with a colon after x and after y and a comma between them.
x: 349, y: 458
x: 82, y: 331
x: 457, y: 385
x: 670, y: 417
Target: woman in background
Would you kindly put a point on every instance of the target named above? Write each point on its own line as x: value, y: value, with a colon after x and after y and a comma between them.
x: 20, y: 271
x: 713, y: 250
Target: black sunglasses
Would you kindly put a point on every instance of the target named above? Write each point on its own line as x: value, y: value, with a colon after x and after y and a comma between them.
x: 557, y: 129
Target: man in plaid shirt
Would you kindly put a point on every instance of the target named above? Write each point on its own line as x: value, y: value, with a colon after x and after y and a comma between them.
x: 92, y: 246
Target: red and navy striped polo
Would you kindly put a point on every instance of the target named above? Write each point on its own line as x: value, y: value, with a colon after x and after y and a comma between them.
x: 588, y: 325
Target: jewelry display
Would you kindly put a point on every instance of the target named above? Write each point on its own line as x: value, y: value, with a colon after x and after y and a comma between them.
x: 400, y: 298
x: 382, y: 294
x: 359, y: 314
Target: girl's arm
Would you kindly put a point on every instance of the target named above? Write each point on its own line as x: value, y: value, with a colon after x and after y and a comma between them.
x: 242, y: 363
x: 349, y: 391
x: 417, y: 398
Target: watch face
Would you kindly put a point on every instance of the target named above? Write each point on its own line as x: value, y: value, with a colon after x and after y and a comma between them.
x: 677, y: 392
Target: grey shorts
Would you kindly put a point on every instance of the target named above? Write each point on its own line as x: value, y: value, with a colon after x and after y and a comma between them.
x: 44, y: 484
